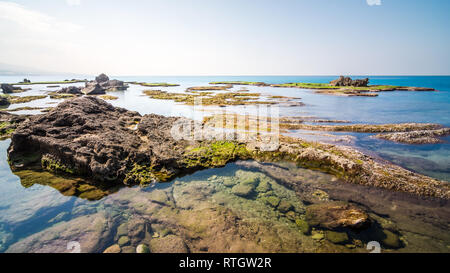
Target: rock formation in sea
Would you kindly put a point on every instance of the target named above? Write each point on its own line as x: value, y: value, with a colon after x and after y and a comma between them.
x: 102, y: 84
x: 347, y: 81
x: 74, y: 90
x: 7, y: 88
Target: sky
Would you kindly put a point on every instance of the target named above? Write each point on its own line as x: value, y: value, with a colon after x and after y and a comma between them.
x: 228, y: 37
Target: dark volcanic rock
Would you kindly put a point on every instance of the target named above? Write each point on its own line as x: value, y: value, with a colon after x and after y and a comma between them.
x: 347, y: 81
x: 7, y: 88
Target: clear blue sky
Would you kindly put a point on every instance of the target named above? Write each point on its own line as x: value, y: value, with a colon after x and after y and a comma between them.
x: 228, y: 37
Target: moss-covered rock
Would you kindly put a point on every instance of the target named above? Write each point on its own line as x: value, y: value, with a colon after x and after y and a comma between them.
x: 123, y: 241
x: 390, y: 239
x: 142, y: 249
x: 242, y: 190
x: 285, y: 206
x: 336, y: 237
x: 303, y: 226
x: 112, y: 249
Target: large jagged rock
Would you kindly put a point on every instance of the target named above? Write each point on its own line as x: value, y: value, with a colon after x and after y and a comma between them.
x: 347, y: 81
x: 7, y: 88
x: 102, y: 84
x: 91, y: 138
x: 94, y: 88
x: 114, y: 85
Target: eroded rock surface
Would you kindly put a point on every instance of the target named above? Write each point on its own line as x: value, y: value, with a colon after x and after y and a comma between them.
x: 102, y: 84
x: 90, y: 138
x: 417, y: 137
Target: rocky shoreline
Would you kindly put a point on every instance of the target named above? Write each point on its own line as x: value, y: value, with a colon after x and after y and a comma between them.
x: 344, y: 86
x: 87, y: 137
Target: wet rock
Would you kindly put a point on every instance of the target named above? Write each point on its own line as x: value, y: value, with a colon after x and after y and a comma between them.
x: 272, y: 201
x: 390, y: 239
x: 91, y: 231
x: 168, y: 244
x: 333, y: 215
x: 112, y: 249
x: 304, y: 227
x: 7, y: 88
x: 128, y: 249
x: 123, y: 241
x: 142, y: 249
x: 321, y: 195
x: 9, y: 123
x: 317, y: 236
x: 285, y: 206
x: 122, y: 230
x: 90, y: 138
x: 242, y: 190
x: 336, y: 237
x: 263, y: 187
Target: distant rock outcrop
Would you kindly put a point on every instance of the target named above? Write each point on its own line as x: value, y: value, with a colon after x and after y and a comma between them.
x: 102, y: 84
x: 74, y: 90
x: 102, y: 78
x: 347, y: 81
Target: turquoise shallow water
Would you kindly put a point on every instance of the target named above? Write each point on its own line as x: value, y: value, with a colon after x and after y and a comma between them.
x: 40, y: 211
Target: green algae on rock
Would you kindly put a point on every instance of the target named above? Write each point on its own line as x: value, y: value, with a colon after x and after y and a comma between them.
x: 91, y: 138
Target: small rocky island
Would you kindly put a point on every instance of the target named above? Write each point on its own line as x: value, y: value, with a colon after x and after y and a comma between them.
x: 88, y: 137
x: 343, y: 86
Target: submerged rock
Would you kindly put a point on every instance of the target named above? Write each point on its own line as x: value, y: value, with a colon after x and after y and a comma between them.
x: 333, y: 215
x: 168, y: 244
x: 112, y: 249
x: 142, y: 249
x: 336, y: 237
